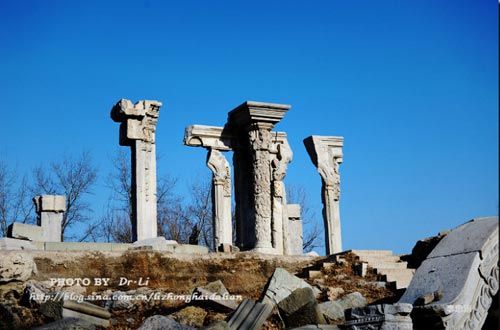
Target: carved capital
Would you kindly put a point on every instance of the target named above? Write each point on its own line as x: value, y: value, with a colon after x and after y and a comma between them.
x: 326, y: 154
x: 138, y: 121
x: 219, y: 166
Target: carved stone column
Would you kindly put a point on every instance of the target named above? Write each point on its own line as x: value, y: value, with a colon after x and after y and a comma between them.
x: 221, y: 199
x: 50, y: 211
x: 326, y: 154
x: 137, y: 130
x: 281, y: 156
x: 253, y: 122
x: 216, y: 139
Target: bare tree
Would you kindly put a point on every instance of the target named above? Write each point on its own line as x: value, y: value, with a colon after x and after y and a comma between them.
x: 312, y: 232
x: 200, y: 211
x: 73, y: 178
x: 15, y: 202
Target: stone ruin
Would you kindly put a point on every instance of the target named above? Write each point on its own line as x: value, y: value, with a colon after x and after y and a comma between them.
x: 260, y: 161
x: 264, y: 221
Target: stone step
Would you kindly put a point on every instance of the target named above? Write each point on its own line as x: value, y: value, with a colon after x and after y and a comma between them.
x: 388, y: 265
x: 398, y: 285
x: 402, y: 279
x: 383, y: 258
x: 393, y: 271
x: 371, y: 252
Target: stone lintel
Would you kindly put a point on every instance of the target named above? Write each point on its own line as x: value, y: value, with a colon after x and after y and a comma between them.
x: 319, y: 147
x: 215, y: 137
x: 221, y: 138
x: 251, y: 112
x: 50, y: 203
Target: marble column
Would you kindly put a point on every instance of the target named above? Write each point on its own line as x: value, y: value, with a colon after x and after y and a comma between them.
x: 137, y: 130
x: 281, y: 156
x: 326, y: 154
x: 253, y: 122
x: 221, y: 200
x: 216, y: 140
x: 50, y: 211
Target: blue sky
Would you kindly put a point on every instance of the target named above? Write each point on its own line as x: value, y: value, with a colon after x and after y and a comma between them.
x: 411, y: 85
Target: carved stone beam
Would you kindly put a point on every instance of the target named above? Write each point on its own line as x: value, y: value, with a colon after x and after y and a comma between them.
x: 214, y: 137
x: 326, y: 155
x: 138, y: 130
x: 253, y: 122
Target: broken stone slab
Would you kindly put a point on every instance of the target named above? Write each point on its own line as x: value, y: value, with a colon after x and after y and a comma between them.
x: 16, y: 267
x: 24, y: 231
x: 334, y: 310
x: 156, y: 244
x: 87, y: 308
x: 69, y: 323
x: 86, y: 317
x: 216, y: 295
x: 281, y: 285
x: 16, y: 244
x: 463, y: 269
x: 300, y: 308
x: 250, y: 315
x: 159, y: 322
x: 381, y: 317
x: 202, y: 297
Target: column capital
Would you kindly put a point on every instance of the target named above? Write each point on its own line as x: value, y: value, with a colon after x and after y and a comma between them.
x: 50, y: 203
x: 261, y: 113
x: 138, y: 121
x: 326, y: 154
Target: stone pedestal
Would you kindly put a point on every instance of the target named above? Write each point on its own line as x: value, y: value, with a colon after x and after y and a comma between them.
x: 50, y: 210
x: 379, y: 317
x: 253, y: 122
x: 326, y: 154
x: 137, y: 130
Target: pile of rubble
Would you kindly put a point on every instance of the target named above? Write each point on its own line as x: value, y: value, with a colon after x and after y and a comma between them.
x: 317, y: 296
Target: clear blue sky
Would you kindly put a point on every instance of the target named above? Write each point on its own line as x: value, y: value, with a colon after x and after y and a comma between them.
x: 411, y: 85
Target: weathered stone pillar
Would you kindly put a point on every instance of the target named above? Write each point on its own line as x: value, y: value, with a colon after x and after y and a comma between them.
x: 326, y: 154
x: 281, y: 156
x: 221, y: 197
x: 295, y: 240
x: 137, y: 130
x: 216, y: 139
x: 50, y: 210
x: 253, y: 122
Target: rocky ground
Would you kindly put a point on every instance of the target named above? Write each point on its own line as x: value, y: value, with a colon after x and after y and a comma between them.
x: 165, y: 278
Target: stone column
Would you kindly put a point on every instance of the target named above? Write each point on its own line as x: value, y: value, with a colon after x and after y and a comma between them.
x: 281, y: 156
x: 215, y: 140
x: 326, y: 154
x: 253, y: 122
x: 295, y: 234
x: 50, y: 210
x: 221, y: 200
x: 137, y: 130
